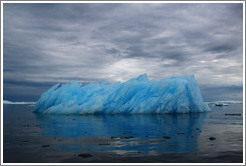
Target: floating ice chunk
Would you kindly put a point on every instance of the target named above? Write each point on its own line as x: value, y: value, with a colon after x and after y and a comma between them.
x: 224, y: 103
x: 7, y: 102
x: 138, y: 95
x: 10, y: 102
x: 221, y: 104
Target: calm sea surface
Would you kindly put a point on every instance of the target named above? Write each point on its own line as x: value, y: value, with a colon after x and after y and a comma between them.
x: 214, y: 137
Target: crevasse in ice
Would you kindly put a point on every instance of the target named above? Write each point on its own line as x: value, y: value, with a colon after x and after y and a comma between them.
x: 138, y: 95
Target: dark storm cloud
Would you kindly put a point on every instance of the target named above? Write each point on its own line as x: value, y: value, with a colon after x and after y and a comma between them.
x: 49, y: 43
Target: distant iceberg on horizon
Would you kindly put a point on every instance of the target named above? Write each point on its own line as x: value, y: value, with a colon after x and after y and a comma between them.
x: 179, y: 94
x: 11, y: 102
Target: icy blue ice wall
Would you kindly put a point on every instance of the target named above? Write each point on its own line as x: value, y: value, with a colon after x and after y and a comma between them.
x: 138, y: 95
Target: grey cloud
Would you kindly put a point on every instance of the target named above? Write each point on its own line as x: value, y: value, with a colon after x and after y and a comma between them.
x: 49, y: 43
x: 222, y: 48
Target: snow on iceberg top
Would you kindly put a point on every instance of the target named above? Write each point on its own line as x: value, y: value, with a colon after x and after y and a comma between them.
x: 137, y: 95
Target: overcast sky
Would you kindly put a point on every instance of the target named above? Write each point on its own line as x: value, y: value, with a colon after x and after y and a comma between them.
x: 45, y: 44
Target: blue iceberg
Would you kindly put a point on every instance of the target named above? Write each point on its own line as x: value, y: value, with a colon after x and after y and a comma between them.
x: 138, y: 95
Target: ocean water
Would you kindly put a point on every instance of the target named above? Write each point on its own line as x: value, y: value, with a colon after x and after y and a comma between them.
x: 213, y: 137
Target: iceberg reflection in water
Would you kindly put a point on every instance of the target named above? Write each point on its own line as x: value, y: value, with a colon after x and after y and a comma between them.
x: 126, y: 133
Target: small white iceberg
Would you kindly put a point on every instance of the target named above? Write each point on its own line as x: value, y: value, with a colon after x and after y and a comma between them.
x: 221, y: 104
x: 224, y: 103
x: 10, y: 102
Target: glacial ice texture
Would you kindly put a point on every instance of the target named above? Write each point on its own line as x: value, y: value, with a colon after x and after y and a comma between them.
x: 138, y: 95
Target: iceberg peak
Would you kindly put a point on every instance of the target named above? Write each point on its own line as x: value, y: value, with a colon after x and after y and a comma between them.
x: 142, y: 77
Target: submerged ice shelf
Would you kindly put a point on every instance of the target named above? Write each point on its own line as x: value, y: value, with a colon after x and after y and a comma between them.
x: 138, y: 95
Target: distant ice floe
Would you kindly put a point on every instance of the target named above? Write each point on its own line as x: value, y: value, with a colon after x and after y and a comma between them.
x: 224, y: 103
x: 179, y: 94
x: 10, y: 102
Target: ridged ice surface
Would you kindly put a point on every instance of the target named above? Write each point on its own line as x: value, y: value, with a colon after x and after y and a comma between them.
x: 138, y: 95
